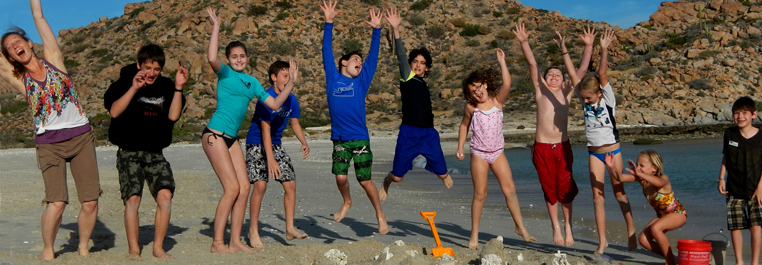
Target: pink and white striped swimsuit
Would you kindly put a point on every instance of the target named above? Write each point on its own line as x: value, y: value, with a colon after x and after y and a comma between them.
x: 487, y: 139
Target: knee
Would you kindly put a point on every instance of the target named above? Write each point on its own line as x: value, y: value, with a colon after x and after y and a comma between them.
x: 164, y: 198
x: 480, y: 195
x: 244, y: 189
x: 622, y: 199
x: 133, y: 202
x: 643, y: 239
x: 57, y: 207
x: 396, y: 179
x: 90, y: 207
x: 232, y: 190
x: 599, y: 200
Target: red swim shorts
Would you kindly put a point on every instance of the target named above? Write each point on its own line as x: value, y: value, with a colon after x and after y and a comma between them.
x: 554, y: 167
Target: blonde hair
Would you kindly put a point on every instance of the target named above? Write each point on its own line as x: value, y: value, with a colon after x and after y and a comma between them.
x: 590, y: 83
x: 655, y: 159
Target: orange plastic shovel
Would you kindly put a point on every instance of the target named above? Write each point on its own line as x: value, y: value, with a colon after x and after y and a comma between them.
x: 439, y: 250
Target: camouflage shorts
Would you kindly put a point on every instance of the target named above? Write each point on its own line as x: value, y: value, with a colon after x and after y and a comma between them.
x: 256, y: 163
x: 135, y: 167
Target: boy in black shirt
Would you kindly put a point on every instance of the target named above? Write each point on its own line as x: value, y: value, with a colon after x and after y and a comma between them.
x: 144, y: 107
x: 417, y: 135
x: 742, y: 159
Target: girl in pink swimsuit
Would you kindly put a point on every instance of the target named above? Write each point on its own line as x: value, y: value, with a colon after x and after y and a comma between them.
x: 670, y: 214
x: 484, y: 115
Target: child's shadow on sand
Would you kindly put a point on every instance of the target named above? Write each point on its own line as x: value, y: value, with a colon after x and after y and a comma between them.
x: 103, y: 238
x: 146, y: 236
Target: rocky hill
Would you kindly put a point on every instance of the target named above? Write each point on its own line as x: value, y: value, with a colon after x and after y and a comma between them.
x: 684, y: 66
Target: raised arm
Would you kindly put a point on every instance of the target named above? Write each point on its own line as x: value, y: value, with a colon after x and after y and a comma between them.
x: 275, y: 103
x: 561, y: 41
x: 329, y: 13
x: 176, y: 108
x: 394, y: 19
x: 49, y: 43
x: 588, y: 37
x: 505, y: 88
x: 606, y: 40
x: 214, y: 41
x: 463, y: 131
x: 371, y: 61
x: 522, y: 35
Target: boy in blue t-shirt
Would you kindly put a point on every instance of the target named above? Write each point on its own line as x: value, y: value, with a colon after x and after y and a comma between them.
x: 346, y: 88
x: 266, y: 158
x: 742, y: 160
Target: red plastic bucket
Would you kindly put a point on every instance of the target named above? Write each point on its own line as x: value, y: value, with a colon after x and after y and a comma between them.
x: 694, y: 252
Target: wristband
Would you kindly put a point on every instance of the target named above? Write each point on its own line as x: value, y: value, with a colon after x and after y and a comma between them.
x: 720, y: 179
x: 564, y: 53
x: 179, y: 90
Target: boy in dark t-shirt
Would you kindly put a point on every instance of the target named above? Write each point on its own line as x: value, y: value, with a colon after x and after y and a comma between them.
x: 742, y: 159
x: 417, y: 135
x: 144, y: 106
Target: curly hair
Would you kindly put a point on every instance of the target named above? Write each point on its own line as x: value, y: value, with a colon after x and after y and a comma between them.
x: 426, y: 56
x: 487, y: 76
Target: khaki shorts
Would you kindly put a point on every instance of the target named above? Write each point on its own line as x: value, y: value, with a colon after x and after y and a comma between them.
x: 80, y: 153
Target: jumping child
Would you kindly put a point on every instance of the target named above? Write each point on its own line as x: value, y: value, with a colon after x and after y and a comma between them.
x: 670, y: 214
x: 551, y: 152
x: 265, y: 156
x: 599, y: 103
x: 346, y: 88
x: 484, y: 116
x: 417, y: 135
x: 235, y: 89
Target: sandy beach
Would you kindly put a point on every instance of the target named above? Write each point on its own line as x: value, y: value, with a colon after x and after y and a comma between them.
x: 198, y: 191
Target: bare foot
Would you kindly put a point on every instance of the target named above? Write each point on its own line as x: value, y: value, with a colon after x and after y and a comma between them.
x: 473, y: 244
x: 255, y: 241
x: 84, y: 251
x: 292, y: 234
x: 220, y: 248
x: 135, y: 256
x: 447, y: 181
x: 525, y: 235
x: 240, y: 247
x: 603, y: 245
x: 558, y: 238
x: 385, y: 187
x: 382, y: 227
x: 632, y: 242
x: 47, y: 256
x: 160, y: 253
x: 569, y: 237
x: 342, y: 212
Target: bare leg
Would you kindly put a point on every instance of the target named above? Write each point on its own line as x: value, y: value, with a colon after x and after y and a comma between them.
x: 446, y: 180
x: 221, y: 161
x: 658, y: 229
x: 502, y: 170
x: 254, y: 207
x: 597, y: 176
x: 567, y: 209
x: 558, y: 237
x: 239, y: 207
x: 479, y: 171
x: 756, y: 243
x: 132, y: 225
x: 161, y: 222
x: 51, y: 221
x: 382, y: 193
x: 372, y: 192
x: 645, y: 236
x: 624, y: 204
x: 343, y: 185
x: 88, y: 214
x: 737, y: 237
x: 289, y: 204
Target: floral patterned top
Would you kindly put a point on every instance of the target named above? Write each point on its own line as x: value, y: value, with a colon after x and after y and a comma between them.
x: 54, y: 101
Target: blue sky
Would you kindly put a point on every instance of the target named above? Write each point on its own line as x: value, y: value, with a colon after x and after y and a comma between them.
x: 63, y: 14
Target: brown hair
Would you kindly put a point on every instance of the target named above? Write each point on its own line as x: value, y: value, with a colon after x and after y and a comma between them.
x: 18, y: 68
x: 655, y: 159
x: 275, y: 68
x: 488, y: 76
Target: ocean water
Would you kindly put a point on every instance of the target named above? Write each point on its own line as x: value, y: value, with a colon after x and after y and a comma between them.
x: 692, y: 166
